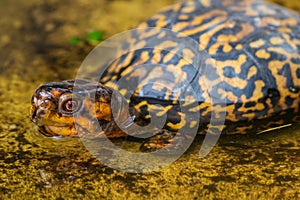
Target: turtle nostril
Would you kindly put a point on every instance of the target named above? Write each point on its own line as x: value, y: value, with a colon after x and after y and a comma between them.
x: 44, y: 104
x: 36, y: 113
x: 40, y: 114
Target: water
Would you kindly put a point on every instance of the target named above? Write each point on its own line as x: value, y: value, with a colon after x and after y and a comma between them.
x: 34, y: 48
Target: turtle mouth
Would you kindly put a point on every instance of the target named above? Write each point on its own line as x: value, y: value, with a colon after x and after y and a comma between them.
x: 43, y: 131
x: 58, y: 131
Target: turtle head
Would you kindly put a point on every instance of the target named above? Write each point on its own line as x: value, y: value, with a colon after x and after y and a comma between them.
x: 61, y: 109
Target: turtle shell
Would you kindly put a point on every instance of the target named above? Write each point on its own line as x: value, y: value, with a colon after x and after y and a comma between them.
x: 244, y: 52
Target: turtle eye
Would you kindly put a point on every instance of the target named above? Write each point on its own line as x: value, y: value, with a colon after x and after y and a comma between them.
x: 69, y: 105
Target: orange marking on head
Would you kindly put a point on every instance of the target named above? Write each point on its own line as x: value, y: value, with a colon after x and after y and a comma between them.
x: 56, y: 93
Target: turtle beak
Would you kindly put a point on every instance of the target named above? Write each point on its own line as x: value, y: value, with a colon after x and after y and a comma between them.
x: 43, y: 131
x: 40, y: 102
x: 34, y: 113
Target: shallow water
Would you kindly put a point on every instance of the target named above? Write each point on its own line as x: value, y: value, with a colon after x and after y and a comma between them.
x: 34, y: 48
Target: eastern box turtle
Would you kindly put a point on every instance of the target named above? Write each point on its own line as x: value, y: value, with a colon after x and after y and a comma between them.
x: 253, y: 49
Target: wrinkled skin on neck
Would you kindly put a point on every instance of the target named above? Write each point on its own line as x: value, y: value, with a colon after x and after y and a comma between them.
x: 60, y: 109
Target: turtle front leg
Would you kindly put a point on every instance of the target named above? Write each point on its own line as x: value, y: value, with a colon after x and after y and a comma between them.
x: 163, y: 138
